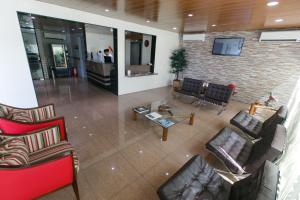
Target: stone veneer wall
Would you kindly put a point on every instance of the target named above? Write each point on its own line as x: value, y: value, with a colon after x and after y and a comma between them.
x: 261, y: 67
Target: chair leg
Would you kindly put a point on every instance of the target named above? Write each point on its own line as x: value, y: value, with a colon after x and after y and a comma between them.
x: 222, y: 109
x: 75, y: 188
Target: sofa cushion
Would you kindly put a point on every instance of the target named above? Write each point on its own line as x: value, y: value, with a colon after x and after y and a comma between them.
x: 3, y: 111
x: 41, y: 139
x: 13, y: 152
x: 218, y: 93
x: 233, y: 149
x: 247, y: 123
x: 195, y: 180
x: 20, y: 115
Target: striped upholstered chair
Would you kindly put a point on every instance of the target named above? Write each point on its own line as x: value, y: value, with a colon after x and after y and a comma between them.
x: 35, y: 159
x: 31, y: 115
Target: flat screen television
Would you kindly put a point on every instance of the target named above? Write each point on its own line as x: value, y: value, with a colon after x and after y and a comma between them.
x: 228, y: 46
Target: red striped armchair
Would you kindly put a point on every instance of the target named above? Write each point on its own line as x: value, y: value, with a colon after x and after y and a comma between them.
x: 35, y: 159
x: 36, y: 114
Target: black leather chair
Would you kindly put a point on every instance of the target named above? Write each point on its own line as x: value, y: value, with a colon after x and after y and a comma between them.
x: 256, y: 128
x: 197, y: 180
x: 241, y: 154
x: 191, y: 87
x: 218, y: 95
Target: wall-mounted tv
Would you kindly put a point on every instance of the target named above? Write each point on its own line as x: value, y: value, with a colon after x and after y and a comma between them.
x: 228, y: 46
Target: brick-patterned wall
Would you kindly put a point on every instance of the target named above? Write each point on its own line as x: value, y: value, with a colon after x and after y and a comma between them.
x: 262, y: 66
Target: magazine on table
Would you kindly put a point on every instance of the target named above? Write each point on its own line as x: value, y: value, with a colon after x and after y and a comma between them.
x: 153, y: 116
x: 141, y: 109
x: 166, y: 122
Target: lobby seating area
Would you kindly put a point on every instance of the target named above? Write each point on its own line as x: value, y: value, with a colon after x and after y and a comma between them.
x: 244, y: 156
x: 206, y: 92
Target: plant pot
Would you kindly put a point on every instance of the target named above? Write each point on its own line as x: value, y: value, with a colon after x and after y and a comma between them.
x: 176, y: 84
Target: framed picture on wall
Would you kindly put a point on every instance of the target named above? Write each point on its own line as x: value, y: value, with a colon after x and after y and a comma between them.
x: 59, y: 55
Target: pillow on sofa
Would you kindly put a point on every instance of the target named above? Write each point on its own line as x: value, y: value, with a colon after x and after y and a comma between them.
x: 41, y: 139
x: 3, y: 112
x: 13, y: 152
x: 19, y: 115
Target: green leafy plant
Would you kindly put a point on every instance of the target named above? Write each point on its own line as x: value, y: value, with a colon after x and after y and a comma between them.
x: 178, y: 61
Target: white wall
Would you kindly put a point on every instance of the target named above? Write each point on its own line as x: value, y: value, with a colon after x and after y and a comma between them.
x: 97, y: 41
x: 16, y: 87
x: 15, y: 79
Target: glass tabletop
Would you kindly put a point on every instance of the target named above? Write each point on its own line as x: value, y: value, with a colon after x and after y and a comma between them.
x: 163, y: 112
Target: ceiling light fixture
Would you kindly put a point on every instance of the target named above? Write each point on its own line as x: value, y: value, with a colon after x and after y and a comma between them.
x: 79, y: 28
x: 272, y: 3
x: 32, y: 17
x: 63, y: 31
x: 213, y: 25
x: 190, y: 15
x: 148, y: 21
x: 73, y: 29
x: 278, y: 20
x: 174, y: 28
x: 106, y: 10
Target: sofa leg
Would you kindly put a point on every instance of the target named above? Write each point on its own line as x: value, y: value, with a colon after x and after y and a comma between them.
x: 222, y: 109
x: 75, y: 188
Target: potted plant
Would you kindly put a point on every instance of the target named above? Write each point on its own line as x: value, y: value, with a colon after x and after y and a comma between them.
x: 178, y: 64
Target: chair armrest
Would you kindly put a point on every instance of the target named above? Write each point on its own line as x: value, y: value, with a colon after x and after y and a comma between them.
x: 255, y: 106
x: 10, y: 127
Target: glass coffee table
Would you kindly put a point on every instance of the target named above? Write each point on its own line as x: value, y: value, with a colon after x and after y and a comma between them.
x: 164, y: 114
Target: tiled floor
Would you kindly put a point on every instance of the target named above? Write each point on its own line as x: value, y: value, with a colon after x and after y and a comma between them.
x: 121, y: 158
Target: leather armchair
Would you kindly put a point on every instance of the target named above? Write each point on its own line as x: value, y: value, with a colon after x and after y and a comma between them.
x: 218, y: 95
x: 197, y: 180
x: 48, y: 169
x: 256, y: 128
x: 241, y: 154
x: 191, y: 87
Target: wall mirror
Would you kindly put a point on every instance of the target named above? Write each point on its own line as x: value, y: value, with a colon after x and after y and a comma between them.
x: 139, y: 54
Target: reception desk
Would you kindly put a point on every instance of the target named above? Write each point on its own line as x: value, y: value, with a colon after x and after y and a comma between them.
x: 99, y: 72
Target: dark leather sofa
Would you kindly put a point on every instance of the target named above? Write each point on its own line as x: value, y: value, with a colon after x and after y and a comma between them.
x: 256, y: 128
x: 217, y: 94
x: 241, y: 154
x: 191, y: 87
x: 197, y: 180
x: 214, y: 93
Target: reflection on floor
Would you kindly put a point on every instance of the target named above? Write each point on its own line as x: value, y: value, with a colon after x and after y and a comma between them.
x: 121, y: 158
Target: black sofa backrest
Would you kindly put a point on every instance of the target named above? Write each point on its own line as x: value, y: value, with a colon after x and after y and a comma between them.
x: 192, y: 85
x: 262, y: 146
x: 269, y: 125
x: 218, y: 92
x: 247, y: 188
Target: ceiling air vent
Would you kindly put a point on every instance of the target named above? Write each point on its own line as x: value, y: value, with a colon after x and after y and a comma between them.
x: 290, y: 36
x: 193, y: 37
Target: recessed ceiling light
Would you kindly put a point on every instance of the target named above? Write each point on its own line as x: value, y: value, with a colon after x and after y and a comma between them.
x: 148, y: 21
x: 106, y: 10
x: 79, y: 28
x: 278, y: 20
x: 63, y: 31
x: 174, y: 28
x: 213, y: 25
x: 190, y: 15
x: 73, y: 29
x: 32, y: 17
x: 27, y: 23
x: 273, y: 3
